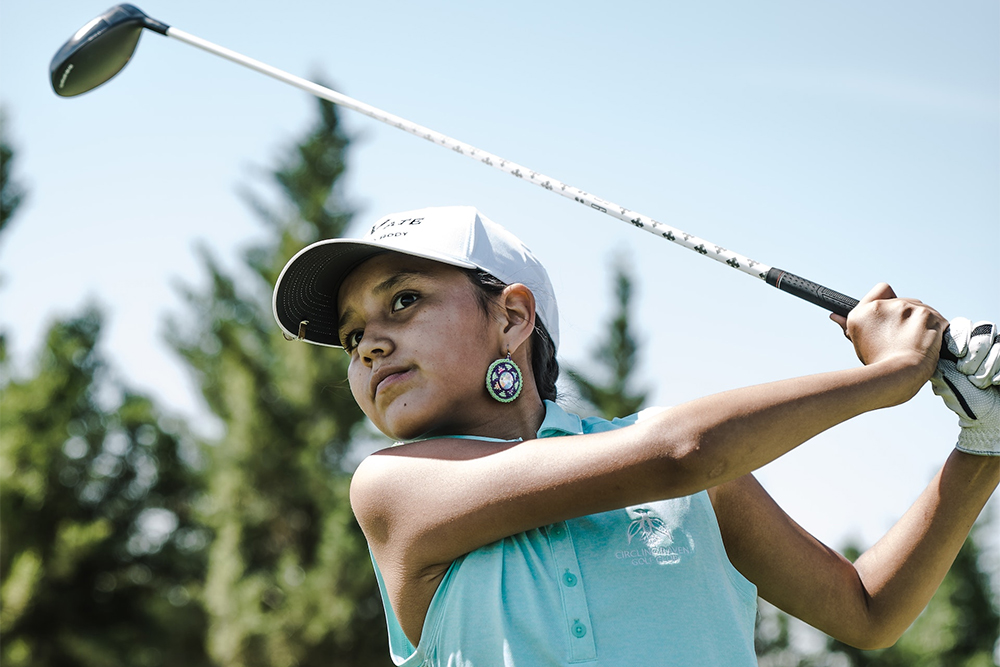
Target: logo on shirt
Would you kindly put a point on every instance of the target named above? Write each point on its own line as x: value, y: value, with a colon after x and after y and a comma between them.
x: 646, y: 526
x: 657, y: 536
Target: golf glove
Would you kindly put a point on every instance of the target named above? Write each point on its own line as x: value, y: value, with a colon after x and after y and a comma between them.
x: 969, y: 385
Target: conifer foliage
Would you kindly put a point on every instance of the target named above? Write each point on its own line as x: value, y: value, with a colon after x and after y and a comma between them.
x: 101, y: 554
x: 11, y: 192
x: 610, y: 390
x: 289, y: 579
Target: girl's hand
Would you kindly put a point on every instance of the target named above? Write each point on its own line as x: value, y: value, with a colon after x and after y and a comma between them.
x: 967, y: 386
x: 977, y: 349
x: 902, y: 334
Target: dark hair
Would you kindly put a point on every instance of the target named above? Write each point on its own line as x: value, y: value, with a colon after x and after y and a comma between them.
x: 544, y: 366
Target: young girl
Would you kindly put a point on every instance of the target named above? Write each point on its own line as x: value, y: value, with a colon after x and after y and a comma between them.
x: 506, y: 531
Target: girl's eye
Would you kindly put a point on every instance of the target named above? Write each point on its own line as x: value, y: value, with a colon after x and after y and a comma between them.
x: 352, y: 340
x: 403, y: 300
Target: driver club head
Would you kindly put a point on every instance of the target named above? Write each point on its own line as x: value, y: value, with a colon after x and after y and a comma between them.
x: 100, y: 49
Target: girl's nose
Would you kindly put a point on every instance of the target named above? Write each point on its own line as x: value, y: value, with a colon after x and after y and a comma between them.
x: 374, y: 343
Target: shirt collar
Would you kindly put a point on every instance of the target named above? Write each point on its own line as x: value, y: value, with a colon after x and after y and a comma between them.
x: 559, y: 422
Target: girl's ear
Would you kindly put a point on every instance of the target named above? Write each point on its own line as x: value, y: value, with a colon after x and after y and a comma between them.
x: 518, y: 319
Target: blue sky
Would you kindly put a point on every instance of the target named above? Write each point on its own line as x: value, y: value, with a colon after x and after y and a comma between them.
x: 847, y: 142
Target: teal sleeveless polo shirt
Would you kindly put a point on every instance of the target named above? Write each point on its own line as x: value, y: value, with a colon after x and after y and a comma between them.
x: 643, y: 585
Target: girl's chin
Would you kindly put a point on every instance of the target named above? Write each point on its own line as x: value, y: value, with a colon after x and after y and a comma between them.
x: 405, y: 423
x: 409, y: 428
x: 409, y: 418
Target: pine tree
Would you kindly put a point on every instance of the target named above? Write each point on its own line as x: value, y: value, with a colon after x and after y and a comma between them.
x: 615, y: 356
x: 11, y: 193
x: 290, y: 581
x: 100, y: 557
x: 101, y: 560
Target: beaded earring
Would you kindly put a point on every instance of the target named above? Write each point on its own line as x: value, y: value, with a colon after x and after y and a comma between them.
x: 503, y: 380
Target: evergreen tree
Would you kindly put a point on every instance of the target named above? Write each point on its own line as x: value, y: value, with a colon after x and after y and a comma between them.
x: 11, y: 196
x: 290, y: 581
x: 11, y: 193
x: 100, y: 557
x: 615, y: 357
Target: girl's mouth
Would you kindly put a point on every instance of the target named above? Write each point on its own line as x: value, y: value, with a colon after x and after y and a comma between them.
x: 383, y: 379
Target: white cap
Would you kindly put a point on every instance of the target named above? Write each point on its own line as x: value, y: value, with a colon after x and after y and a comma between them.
x: 306, y: 291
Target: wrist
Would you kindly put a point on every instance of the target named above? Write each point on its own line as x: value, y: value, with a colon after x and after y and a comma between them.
x: 978, y: 474
x: 903, y: 375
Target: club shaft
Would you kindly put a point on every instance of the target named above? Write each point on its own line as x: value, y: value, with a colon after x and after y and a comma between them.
x: 812, y: 292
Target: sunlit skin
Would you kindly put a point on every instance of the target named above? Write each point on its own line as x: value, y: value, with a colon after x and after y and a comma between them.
x: 414, y: 329
x: 424, y: 504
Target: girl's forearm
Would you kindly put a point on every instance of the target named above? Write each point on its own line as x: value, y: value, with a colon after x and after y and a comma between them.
x: 902, y: 571
x: 730, y: 434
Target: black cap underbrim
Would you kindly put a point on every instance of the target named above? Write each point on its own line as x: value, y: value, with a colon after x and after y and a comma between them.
x: 307, y: 288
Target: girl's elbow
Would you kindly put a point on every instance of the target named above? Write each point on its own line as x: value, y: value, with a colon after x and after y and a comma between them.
x: 872, y: 637
x: 873, y: 644
x: 705, y: 461
x: 691, y: 466
x: 886, y: 638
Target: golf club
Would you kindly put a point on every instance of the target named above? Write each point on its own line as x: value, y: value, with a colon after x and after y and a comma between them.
x: 102, y: 47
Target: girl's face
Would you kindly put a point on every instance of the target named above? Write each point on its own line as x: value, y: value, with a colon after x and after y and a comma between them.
x: 420, y: 345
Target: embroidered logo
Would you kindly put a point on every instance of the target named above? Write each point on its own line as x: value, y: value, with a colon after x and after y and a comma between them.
x: 657, y: 535
x: 646, y: 526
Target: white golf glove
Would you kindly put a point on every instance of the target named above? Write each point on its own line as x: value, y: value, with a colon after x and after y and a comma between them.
x: 969, y: 386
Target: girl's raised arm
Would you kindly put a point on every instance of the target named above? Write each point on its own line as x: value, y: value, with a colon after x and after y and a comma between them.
x: 871, y: 602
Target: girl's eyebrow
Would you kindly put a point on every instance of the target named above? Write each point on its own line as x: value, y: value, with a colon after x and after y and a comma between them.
x: 392, y: 281
x: 386, y: 285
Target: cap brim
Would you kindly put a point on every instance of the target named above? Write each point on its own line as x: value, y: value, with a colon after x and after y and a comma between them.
x: 306, y: 291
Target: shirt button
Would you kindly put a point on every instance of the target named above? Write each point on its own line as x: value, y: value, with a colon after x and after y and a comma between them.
x: 569, y: 579
x: 557, y: 530
x: 579, y: 629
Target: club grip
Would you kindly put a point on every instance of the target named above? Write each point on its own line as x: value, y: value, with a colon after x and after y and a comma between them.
x: 814, y: 293
x: 821, y: 296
